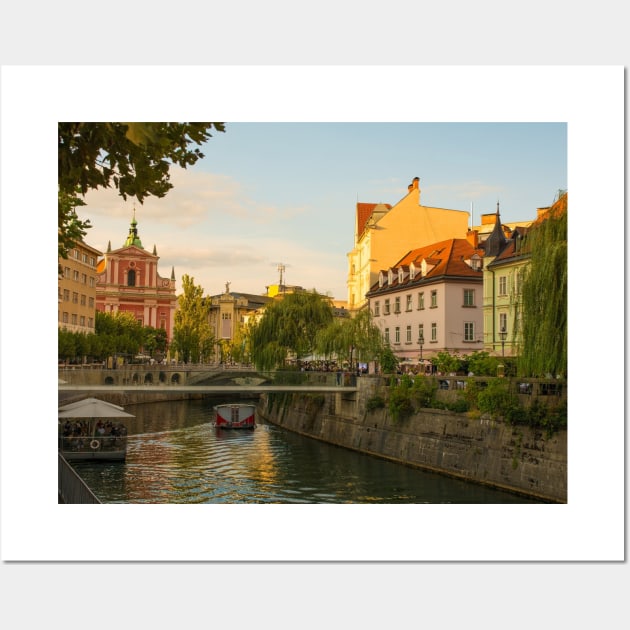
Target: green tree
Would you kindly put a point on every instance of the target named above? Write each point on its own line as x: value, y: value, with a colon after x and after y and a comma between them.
x: 447, y: 362
x: 193, y: 338
x: 119, y: 333
x: 155, y: 340
x: 289, y: 325
x: 134, y: 157
x: 544, y: 297
x: 480, y: 363
x: 352, y: 338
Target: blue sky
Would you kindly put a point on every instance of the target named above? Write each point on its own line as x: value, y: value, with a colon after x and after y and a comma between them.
x: 269, y: 193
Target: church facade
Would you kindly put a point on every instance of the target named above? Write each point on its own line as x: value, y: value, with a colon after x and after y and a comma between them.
x: 128, y: 280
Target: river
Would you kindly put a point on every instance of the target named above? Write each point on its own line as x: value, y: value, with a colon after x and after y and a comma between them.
x: 175, y: 455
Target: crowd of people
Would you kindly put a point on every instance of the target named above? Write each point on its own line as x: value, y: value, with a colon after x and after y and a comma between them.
x: 77, y: 434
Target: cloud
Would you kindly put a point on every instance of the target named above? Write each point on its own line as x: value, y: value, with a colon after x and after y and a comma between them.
x: 197, y: 197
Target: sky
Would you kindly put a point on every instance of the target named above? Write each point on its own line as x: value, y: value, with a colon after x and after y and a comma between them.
x: 270, y: 194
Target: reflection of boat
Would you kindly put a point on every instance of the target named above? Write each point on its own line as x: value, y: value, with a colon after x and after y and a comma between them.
x: 236, y: 416
x: 92, y: 429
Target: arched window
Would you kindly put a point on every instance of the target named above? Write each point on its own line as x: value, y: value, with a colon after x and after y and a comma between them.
x: 131, y: 278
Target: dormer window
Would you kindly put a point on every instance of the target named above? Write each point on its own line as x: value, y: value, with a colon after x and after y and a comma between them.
x: 475, y: 262
x: 390, y: 277
x: 412, y: 271
x: 381, y: 280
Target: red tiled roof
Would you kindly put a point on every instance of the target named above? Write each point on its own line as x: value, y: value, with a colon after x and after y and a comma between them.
x: 364, y: 212
x: 448, y: 257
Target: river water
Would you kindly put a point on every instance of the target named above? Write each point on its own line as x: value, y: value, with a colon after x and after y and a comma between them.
x: 176, y: 455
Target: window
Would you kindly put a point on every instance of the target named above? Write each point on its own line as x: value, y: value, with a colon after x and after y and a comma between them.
x: 421, y: 301
x: 90, y: 322
x: 85, y: 258
x: 387, y: 335
x: 91, y: 302
x: 75, y: 275
x: 91, y: 282
x: 75, y: 297
x: 386, y: 312
x: 421, y: 332
x: 377, y: 308
x: 74, y: 319
x: 83, y: 278
x: 131, y: 278
x: 433, y: 331
x: 66, y: 295
x: 469, y: 297
x: 82, y: 320
x: 433, y: 299
x: 83, y: 300
x: 397, y: 305
x: 92, y: 261
x: 65, y: 318
x: 409, y: 302
x: 397, y: 335
x: 503, y: 321
x: 502, y: 285
x: 408, y: 339
x: 469, y: 331
x: 66, y: 272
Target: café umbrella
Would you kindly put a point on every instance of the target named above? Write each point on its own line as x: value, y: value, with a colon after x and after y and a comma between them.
x: 93, y: 408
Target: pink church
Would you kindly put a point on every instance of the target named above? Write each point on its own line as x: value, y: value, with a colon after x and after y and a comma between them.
x: 128, y: 280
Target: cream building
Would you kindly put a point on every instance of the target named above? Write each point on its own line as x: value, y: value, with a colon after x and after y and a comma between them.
x: 77, y: 289
x: 383, y: 233
x: 430, y: 301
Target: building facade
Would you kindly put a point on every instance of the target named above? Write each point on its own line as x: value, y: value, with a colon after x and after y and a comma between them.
x: 128, y: 280
x: 506, y: 259
x: 229, y: 313
x: 431, y: 301
x: 382, y: 232
x: 77, y: 289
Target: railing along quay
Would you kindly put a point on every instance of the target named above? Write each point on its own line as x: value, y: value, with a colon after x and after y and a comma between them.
x: 72, y: 489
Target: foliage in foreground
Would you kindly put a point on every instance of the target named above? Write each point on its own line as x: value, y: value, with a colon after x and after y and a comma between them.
x: 134, y: 157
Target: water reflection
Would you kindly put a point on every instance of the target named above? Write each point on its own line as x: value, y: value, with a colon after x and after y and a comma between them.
x: 176, y: 455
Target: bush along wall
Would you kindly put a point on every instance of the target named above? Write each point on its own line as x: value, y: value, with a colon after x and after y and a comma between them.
x: 496, y: 399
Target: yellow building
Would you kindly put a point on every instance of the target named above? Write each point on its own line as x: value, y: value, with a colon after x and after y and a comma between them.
x: 77, y: 289
x: 505, y: 263
x: 383, y: 234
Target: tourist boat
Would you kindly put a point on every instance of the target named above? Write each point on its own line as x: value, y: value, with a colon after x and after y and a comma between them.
x: 93, y: 429
x: 235, y: 416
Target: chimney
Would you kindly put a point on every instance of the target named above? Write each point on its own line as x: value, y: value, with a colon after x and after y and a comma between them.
x: 473, y: 238
x: 416, y: 182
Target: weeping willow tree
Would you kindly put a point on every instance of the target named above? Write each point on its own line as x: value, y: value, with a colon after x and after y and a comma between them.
x: 289, y: 326
x: 193, y: 338
x: 352, y: 339
x: 544, y: 297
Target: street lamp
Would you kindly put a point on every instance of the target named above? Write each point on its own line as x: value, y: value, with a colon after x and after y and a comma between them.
x: 421, y: 343
x: 503, y: 335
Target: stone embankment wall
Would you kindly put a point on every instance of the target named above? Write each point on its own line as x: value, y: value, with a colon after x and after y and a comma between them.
x: 515, y: 458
